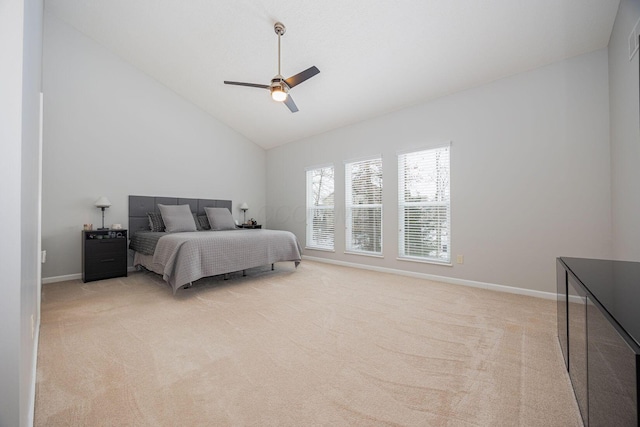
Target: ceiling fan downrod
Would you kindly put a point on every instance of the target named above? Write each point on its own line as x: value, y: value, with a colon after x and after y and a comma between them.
x: 280, y: 29
x: 279, y: 89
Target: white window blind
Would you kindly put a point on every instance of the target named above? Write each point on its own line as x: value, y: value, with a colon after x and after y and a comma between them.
x: 320, y: 208
x: 424, y: 205
x: 363, y: 182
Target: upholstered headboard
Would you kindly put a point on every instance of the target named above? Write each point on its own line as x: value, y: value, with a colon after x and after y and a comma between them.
x: 140, y: 205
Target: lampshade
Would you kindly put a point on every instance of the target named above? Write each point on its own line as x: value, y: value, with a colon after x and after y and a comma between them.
x: 103, y: 202
x: 244, y: 207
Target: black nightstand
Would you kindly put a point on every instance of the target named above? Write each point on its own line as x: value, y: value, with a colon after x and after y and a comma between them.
x: 104, y: 254
x: 250, y: 226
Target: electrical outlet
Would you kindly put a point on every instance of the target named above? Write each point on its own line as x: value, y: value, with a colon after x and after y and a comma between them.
x: 44, y: 256
x: 460, y: 259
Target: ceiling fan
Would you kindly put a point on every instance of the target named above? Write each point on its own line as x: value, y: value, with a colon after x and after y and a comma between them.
x: 280, y: 86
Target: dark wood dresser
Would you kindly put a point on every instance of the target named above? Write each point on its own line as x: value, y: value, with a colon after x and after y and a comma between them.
x: 599, y: 333
x: 104, y: 254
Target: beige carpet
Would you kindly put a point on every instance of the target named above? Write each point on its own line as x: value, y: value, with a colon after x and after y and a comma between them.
x: 323, y: 345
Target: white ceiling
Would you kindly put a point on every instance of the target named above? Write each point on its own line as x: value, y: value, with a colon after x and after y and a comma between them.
x: 374, y: 56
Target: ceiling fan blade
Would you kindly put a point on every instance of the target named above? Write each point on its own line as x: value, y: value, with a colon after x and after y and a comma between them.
x: 247, y: 84
x: 301, y: 77
x: 290, y: 104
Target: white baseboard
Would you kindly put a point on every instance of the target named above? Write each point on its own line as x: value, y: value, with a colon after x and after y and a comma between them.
x: 444, y: 279
x: 64, y: 278
x: 76, y: 276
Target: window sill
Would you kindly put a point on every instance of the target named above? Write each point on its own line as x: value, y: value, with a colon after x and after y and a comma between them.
x: 319, y: 249
x: 364, y: 254
x: 425, y: 261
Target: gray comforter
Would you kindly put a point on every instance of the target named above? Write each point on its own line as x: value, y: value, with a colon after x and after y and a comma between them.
x: 145, y: 241
x: 187, y: 257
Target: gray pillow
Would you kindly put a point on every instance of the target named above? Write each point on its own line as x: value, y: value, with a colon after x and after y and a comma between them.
x: 220, y: 219
x: 197, y: 222
x: 177, y: 218
x: 155, y: 221
x: 204, y: 222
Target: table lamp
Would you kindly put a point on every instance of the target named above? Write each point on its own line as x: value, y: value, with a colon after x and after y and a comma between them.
x: 244, y: 208
x: 102, y: 203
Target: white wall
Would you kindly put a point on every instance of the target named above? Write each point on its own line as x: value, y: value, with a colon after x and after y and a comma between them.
x: 530, y: 173
x: 112, y: 130
x: 11, y: 24
x: 625, y: 135
x: 20, y: 86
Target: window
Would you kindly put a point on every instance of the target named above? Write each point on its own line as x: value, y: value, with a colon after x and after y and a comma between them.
x: 320, y: 208
x: 363, y: 181
x: 424, y: 205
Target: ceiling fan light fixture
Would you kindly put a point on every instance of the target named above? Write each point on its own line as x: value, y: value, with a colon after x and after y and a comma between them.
x: 278, y: 93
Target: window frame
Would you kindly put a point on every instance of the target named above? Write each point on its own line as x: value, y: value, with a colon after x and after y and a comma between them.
x: 311, y: 209
x: 402, y: 203
x: 350, y: 206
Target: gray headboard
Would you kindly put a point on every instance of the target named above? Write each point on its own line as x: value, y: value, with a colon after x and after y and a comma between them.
x: 140, y: 205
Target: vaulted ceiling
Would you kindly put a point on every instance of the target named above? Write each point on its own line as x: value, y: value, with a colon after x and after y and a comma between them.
x: 374, y: 56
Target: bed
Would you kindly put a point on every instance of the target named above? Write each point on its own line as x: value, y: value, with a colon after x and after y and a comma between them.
x: 184, y: 257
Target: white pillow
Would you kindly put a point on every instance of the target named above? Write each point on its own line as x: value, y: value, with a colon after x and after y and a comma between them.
x: 177, y: 218
x: 220, y: 219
